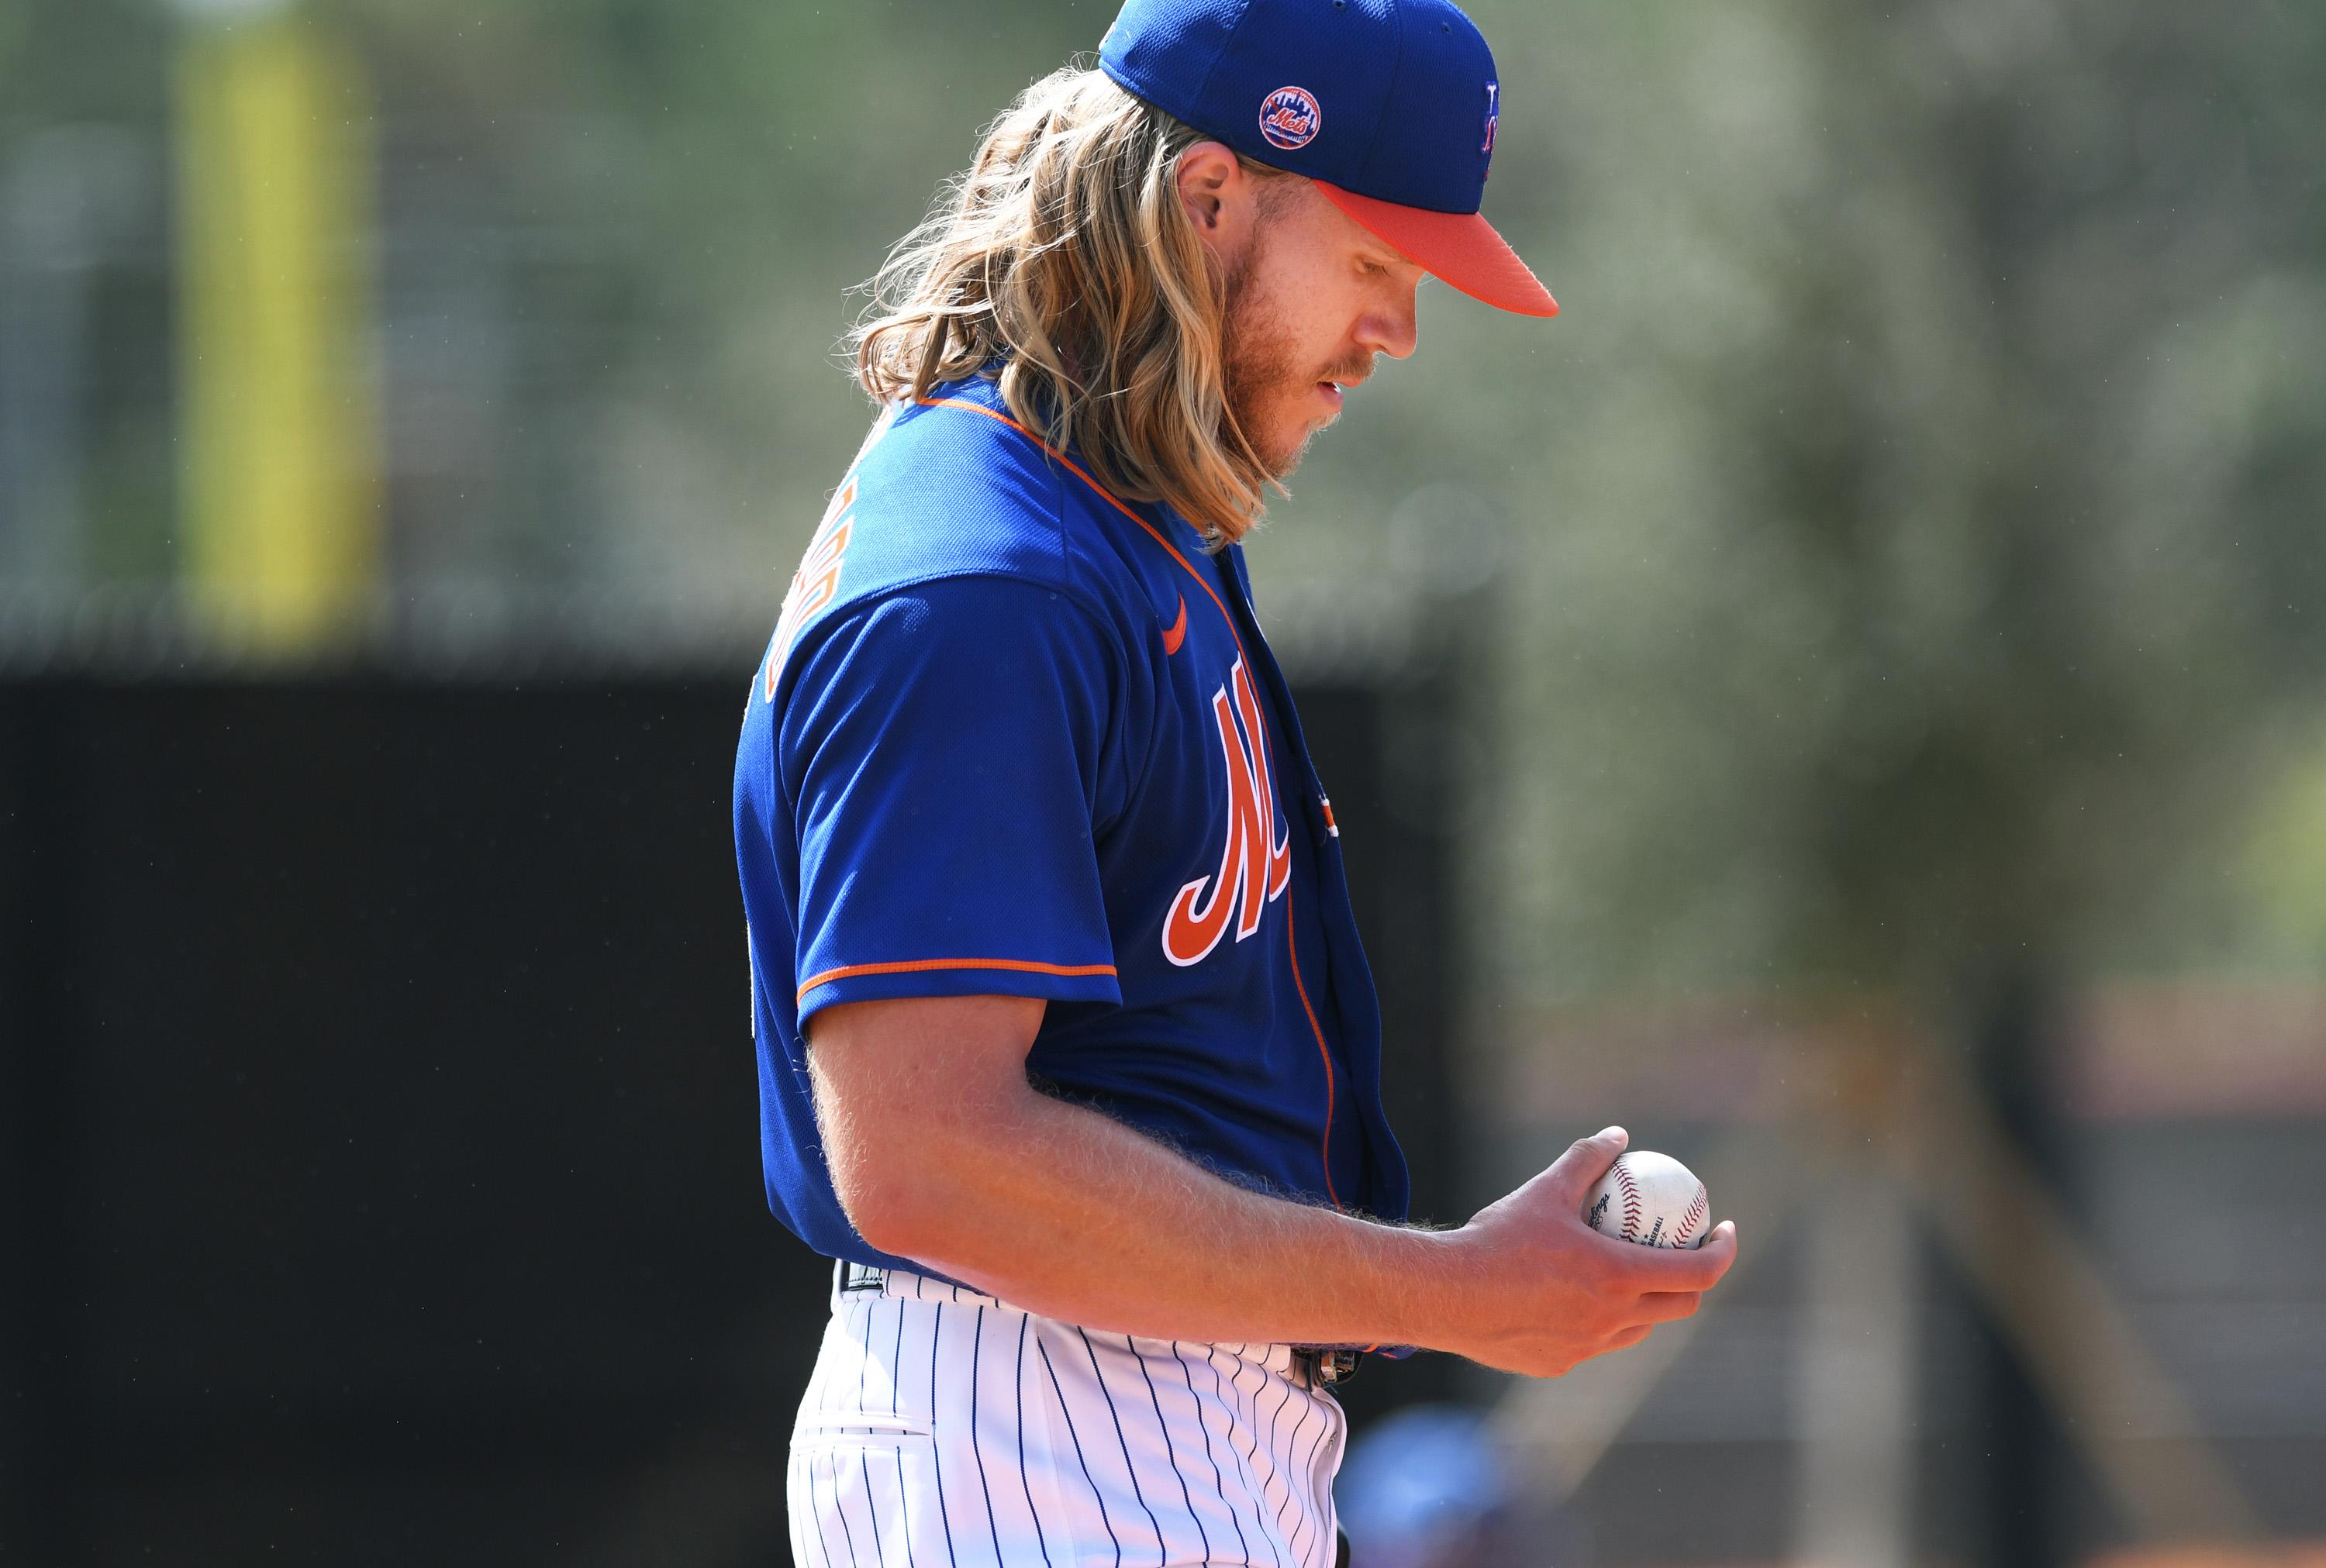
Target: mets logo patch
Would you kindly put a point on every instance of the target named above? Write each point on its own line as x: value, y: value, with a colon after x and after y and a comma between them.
x: 1289, y: 118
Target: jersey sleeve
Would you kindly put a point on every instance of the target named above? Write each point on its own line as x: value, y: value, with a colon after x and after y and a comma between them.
x: 946, y: 743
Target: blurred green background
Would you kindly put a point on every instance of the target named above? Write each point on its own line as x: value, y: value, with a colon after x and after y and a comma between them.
x: 1885, y: 612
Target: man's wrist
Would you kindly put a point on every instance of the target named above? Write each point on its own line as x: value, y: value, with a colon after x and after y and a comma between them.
x: 1417, y: 1283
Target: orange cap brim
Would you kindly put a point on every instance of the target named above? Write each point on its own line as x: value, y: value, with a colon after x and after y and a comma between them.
x: 1460, y: 249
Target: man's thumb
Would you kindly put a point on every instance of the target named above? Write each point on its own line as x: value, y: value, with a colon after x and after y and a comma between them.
x: 1575, y: 1172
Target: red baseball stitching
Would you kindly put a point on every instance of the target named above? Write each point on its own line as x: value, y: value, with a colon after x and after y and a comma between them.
x: 1696, y: 1214
x: 1631, y: 1190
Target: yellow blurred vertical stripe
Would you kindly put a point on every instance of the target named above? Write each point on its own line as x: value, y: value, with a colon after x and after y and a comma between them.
x: 278, y: 437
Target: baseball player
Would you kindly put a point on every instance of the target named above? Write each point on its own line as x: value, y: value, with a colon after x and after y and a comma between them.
x: 1068, y: 1053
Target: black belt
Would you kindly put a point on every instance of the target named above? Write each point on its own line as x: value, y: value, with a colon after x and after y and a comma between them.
x: 1320, y: 1363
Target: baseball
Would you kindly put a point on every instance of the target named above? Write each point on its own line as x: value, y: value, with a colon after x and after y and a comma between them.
x: 1651, y: 1199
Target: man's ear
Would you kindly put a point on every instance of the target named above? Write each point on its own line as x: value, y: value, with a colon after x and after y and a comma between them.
x: 1216, y: 196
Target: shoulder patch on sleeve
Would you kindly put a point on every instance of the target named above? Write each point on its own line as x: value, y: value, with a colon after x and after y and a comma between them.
x: 816, y: 583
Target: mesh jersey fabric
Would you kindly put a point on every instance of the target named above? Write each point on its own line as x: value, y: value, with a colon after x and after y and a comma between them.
x: 1013, y: 736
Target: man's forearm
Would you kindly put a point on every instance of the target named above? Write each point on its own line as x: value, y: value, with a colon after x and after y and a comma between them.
x: 1059, y: 1208
x: 942, y: 1151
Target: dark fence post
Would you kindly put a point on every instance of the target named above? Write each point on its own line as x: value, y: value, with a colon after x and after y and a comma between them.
x: 1387, y: 749
x: 40, y: 1447
x: 2028, y: 1466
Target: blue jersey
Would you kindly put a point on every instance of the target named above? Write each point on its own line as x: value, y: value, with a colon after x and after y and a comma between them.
x: 1015, y: 736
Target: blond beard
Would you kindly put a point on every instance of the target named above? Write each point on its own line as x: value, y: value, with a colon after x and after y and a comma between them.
x: 1257, y: 358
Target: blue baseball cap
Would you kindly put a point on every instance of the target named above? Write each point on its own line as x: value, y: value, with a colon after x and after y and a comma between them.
x: 1389, y: 106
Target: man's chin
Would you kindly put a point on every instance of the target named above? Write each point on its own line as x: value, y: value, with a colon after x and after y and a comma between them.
x: 1284, y: 455
x: 1291, y: 460
x: 1281, y: 453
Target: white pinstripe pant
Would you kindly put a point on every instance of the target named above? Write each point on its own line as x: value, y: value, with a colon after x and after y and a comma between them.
x: 943, y: 1429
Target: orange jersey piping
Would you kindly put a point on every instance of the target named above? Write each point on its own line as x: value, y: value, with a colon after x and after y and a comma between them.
x: 918, y: 966
x: 1325, y: 1146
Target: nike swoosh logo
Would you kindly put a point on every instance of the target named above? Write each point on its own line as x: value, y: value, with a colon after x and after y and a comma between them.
x: 1178, y: 632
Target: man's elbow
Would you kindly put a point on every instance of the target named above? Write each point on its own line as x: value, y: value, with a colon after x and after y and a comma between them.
x: 898, y: 1197
x: 912, y: 1098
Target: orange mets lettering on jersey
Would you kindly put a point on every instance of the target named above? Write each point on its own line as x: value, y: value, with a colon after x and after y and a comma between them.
x: 815, y: 581
x: 1255, y: 864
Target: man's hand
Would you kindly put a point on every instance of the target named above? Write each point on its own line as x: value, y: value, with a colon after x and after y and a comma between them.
x: 1545, y: 1292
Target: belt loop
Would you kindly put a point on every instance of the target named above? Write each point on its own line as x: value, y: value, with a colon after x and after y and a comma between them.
x: 852, y: 1278
x: 1321, y: 1367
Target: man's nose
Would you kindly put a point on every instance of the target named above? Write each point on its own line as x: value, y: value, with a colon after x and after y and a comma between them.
x: 1392, y: 328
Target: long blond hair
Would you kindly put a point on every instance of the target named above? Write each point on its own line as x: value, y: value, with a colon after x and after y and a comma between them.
x: 1062, y: 257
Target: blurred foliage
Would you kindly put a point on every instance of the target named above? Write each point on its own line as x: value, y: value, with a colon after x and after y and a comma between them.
x: 1909, y: 544
x: 705, y: 183
x: 1931, y: 538
x: 2285, y: 869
